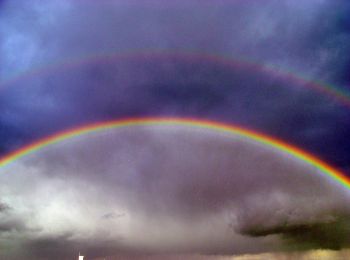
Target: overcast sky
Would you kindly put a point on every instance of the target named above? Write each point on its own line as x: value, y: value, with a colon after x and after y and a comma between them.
x: 67, y: 63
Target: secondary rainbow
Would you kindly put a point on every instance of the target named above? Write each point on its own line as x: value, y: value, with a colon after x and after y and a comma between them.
x: 323, y: 167
x: 340, y: 95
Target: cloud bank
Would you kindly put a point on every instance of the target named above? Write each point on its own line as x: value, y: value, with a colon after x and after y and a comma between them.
x: 167, y: 190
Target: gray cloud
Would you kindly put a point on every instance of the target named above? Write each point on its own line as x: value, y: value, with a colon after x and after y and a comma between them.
x: 113, y: 215
x: 179, y: 190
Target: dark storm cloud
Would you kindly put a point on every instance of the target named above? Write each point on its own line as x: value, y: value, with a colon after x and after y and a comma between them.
x: 331, y: 234
x: 4, y: 207
x: 169, y: 190
x: 8, y: 224
x: 65, y: 247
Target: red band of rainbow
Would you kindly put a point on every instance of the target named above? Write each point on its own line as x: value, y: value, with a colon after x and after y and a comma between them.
x: 323, y: 167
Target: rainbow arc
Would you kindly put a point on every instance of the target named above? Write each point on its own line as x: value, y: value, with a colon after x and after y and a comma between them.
x: 279, y: 145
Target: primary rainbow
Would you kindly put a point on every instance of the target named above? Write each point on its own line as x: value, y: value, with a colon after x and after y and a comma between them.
x: 323, y: 167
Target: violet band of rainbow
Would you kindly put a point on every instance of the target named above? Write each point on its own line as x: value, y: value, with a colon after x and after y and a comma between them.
x: 279, y: 145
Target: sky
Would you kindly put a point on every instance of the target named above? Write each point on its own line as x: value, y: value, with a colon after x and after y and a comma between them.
x: 68, y: 63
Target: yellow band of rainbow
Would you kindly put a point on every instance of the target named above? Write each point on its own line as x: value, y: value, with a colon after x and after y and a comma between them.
x: 205, y: 124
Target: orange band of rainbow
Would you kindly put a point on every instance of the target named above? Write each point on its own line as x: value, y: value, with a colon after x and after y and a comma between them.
x: 205, y: 124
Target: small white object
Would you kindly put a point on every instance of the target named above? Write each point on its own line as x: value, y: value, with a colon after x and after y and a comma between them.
x: 80, y: 257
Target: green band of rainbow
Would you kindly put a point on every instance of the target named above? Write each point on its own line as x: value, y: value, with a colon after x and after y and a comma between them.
x: 205, y: 124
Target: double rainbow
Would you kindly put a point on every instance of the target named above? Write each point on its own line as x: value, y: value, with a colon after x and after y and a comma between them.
x: 285, y: 148
x: 337, y: 94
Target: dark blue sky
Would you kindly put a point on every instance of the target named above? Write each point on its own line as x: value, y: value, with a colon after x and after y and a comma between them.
x: 307, y: 39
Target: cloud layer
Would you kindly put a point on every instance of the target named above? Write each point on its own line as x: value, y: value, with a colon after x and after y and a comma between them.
x: 167, y: 189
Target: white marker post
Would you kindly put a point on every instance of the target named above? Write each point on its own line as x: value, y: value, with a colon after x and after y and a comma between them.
x: 80, y: 257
